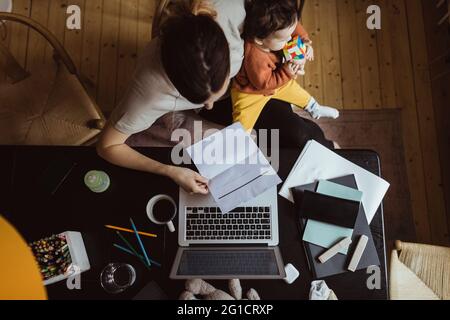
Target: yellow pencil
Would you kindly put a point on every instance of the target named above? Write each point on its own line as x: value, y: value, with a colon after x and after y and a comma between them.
x: 131, y: 231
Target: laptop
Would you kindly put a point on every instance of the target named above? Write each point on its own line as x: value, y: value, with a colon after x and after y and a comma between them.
x: 241, y: 244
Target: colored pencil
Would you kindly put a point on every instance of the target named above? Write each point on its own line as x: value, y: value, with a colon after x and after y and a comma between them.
x: 140, y: 242
x: 128, y: 244
x: 131, y: 231
x: 139, y: 256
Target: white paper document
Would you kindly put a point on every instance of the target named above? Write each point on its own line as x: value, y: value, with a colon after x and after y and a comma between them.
x: 236, y: 168
x: 317, y: 162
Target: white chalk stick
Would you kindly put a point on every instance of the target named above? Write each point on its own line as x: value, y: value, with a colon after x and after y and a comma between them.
x: 362, y: 243
x: 334, y: 250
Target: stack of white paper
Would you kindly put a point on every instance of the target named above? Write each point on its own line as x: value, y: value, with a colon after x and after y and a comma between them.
x: 318, y: 162
x: 236, y: 168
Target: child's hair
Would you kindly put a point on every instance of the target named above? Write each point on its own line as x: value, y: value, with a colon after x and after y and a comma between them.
x: 265, y: 17
x: 194, y: 51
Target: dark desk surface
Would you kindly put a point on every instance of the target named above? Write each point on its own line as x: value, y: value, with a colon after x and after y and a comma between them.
x: 73, y: 207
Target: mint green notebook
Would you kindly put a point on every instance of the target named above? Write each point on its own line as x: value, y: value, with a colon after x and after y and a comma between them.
x: 324, y: 234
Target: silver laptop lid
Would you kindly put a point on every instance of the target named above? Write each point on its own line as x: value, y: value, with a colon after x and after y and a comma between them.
x: 228, y: 263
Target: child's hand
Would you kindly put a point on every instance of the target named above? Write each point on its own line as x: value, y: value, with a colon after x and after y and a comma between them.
x: 301, y: 66
x: 293, y: 69
x: 309, y: 52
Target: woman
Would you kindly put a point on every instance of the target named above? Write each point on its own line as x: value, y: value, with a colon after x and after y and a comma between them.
x: 190, y: 67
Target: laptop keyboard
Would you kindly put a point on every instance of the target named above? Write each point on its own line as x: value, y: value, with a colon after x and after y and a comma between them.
x: 243, y: 223
x: 211, y: 262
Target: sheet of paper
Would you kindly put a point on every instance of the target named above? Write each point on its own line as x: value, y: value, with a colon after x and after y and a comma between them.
x: 217, y: 153
x: 236, y: 168
x: 319, y: 163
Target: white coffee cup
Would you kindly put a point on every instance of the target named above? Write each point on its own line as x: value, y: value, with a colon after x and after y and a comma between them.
x: 150, y: 212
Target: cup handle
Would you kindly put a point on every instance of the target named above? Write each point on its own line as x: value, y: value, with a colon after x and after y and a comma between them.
x: 171, y: 226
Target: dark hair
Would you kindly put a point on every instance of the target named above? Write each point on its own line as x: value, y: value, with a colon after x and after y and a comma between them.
x: 195, y: 52
x: 265, y: 17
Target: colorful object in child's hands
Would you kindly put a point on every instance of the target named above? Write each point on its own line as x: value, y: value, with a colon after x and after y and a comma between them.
x: 295, y: 49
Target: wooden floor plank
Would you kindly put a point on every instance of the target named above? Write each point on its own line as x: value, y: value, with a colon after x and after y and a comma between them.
x: 56, y: 23
x: 5, y: 39
x: 387, y: 79
x: 146, y: 12
x: 438, y: 48
x: 368, y: 57
x: 73, y: 41
x: 90, y: 57
x: 37, y: 45
x: 349, y: 56
x: 331, y: 62
x: 128, y: 37
x: 313, y: 77
x: 109, y: 55
x: 19, y: 33
x: 410, y: 127
x: 427, y: 125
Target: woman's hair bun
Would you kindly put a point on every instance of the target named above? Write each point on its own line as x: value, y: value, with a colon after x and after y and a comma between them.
x: 203, y: 8
x: 186, y: 8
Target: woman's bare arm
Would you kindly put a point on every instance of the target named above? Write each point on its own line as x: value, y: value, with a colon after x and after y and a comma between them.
x: 111, y: 147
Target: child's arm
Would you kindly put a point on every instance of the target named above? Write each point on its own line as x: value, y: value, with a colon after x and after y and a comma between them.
x: 263, y: 74
x: 301, y: 32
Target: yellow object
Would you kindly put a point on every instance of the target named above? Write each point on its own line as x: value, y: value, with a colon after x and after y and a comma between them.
x: 20, y: 278
x: 131, y: 231
x: 247, y: 107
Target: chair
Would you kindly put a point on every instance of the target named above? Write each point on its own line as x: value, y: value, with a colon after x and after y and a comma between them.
x: 446, y: 17
x: 48, y: 107
x: 419, y: 272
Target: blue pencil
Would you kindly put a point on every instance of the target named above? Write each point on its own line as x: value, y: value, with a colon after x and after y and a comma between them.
x: 140, y: 243
x: 132, y: 253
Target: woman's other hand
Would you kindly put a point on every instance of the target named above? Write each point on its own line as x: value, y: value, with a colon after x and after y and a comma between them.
x: 189, y: 180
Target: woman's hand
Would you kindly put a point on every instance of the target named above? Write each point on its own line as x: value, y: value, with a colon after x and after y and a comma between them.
x: 189, y: 180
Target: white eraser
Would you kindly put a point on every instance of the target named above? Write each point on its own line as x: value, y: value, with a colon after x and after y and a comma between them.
x: 291, y: 273
x: 362, y: 243
x: 334, y: 250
